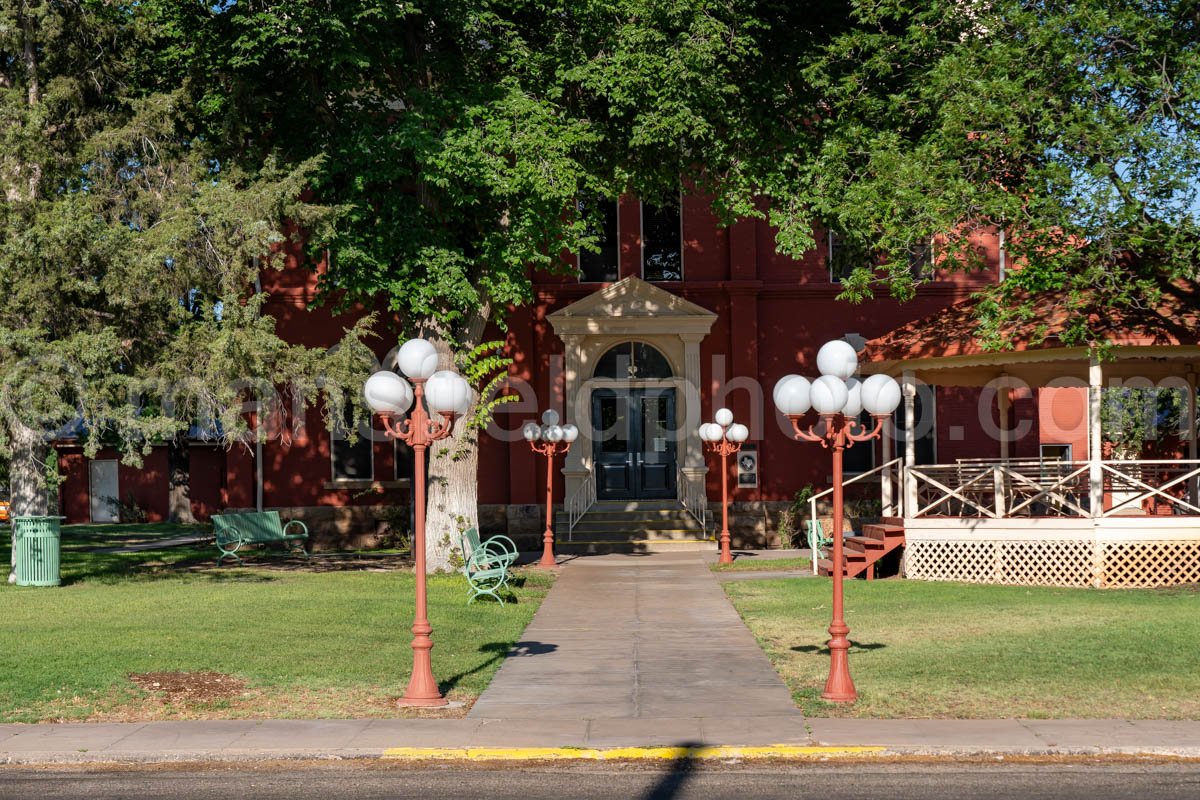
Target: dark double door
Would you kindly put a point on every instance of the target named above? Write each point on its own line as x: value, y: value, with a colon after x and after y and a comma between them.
x: 634, y: 443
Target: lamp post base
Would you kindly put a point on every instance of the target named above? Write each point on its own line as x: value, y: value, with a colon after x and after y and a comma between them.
x: 547, y: 561
x: 839, y: 687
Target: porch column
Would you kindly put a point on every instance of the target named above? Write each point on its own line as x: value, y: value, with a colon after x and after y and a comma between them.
x: 887, y: 490
x: 908, y: 385
x: 691, y: 462
x: 1194, y: 484
x: 575, y: 468
x: 1095, y: 447
x: 1004, y: 408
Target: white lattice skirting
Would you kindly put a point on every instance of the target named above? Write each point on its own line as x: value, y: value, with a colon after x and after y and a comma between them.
x: 1056, y: 562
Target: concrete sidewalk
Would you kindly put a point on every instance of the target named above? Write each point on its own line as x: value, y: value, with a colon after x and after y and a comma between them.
x: 625, y: 652
x: 509, y: 739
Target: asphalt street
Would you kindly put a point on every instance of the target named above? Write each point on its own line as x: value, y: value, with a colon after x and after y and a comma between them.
x: 682, y: 781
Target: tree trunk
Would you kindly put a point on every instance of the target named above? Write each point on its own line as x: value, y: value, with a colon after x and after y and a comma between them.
x: 179, y: 470
x: 453, y: 487
x: 27, y: 479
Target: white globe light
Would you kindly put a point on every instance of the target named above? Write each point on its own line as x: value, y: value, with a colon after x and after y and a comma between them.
x: 417, y: 358
x: 854, y: 404
x: 880, y: 395
x: 738, y: 433
x: 570, y: 433
x: 829, y: 394
x: 442, y: 391
x: 532, y: 431
x: 837, y: 358
x: 723, y: 417
x: 387, y: 393
x: 554, y: 433
x: 549, y: 417
x: 793, y: 395
x: 710, y: 432
x: 462, y: 395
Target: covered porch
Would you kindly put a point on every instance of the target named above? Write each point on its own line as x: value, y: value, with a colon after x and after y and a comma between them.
x: 1098, y: 520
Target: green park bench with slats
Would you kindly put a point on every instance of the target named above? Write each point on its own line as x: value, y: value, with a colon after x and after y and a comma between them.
x: 486, y: 564
x: 255, y: 527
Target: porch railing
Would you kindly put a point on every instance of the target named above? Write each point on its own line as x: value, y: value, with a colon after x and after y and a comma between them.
x: 1015, y: 488
x: 694, y: 499
x: 889, y: 481
x: 578, y: 503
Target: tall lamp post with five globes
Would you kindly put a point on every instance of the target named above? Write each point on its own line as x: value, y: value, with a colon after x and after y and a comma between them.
x: 549, y: 439
x: 446, y: 394
x: 839, y: 399
x: 724, y: 437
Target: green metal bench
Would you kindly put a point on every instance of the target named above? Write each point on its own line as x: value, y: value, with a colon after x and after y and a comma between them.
x: 486, y: 564
x: 255, y: 527
x: 500, y: 546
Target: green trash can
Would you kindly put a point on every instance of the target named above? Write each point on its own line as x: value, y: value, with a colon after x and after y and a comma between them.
x: 37, y: 544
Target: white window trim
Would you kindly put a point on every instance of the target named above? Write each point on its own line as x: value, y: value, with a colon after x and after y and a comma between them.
x: 579, y: 266
x: 642, y: 242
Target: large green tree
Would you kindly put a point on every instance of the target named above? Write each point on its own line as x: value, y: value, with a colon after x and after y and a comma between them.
x: 128, y: 250
x: 1072, y: 126
x: 457, y: 137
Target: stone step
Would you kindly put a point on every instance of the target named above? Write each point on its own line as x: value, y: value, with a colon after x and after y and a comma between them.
x: 635, y: 546
x: 635, y: 505
x: 617, y: 535
x: 634, y: 524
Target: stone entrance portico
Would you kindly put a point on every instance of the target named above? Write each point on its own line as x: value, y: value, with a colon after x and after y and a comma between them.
x: 633, y: 310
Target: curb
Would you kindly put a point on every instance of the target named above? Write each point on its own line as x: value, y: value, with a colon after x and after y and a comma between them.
x: 671, y: 753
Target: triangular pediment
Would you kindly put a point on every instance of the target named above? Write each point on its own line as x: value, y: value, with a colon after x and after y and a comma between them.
x: 631, y: 297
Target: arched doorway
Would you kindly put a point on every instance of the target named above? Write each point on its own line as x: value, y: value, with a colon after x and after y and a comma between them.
x: 634, y: 432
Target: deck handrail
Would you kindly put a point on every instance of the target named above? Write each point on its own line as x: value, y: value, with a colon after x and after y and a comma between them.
x: 895, y: 463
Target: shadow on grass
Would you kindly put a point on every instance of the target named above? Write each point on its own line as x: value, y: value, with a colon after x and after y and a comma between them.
x: 498, y: 651
x: 855, y: 647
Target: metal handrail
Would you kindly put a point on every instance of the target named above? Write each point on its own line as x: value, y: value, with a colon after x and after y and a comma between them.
x: 693, y: 501
x: 893, y: 464
x: 578, y: 504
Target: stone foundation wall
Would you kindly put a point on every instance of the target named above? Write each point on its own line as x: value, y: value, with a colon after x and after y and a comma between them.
x: 346, y: 527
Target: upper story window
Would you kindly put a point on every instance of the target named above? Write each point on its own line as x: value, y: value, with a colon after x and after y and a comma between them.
x: 352, y: 461
x: 601, y: 267
x: 662, y: 240
x: 842, y: 258
x: 920, y: 260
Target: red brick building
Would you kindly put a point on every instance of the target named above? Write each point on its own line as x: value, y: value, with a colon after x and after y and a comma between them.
x: 676, y: 317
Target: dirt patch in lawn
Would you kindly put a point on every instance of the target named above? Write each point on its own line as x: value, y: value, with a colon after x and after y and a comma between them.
x: 189, y: 688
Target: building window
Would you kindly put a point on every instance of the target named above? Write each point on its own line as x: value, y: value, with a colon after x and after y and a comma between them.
x: 861, y: 457
x: 920, y: 260
x: 352, y: 461
x: 601, y: 267
x: 662, y: 237
x: 925, y: 416
x: 633, y: 361
x: 402, y: 458
x: 842, y: 258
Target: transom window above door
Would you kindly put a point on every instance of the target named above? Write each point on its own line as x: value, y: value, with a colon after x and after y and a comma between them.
x: 633, y: 361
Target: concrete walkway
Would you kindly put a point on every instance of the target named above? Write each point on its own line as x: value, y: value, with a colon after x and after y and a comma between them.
x: 643, y: 648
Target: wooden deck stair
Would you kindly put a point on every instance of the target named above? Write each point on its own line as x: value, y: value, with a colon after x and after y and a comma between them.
x: 863, y: 552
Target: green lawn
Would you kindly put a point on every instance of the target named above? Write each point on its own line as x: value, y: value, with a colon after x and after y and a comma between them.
x: 327, y: 638
x: 753, y: 564
x: 965, y: 651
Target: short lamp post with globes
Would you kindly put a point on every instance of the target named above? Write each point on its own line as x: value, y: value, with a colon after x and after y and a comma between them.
x: 549, y: 439
x: 839, y: 399
x: 724, y: 437
x: 435, y: 398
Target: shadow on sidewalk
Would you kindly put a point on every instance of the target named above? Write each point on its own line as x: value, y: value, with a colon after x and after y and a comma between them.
x: 499, y: 651
x: 677, y: 774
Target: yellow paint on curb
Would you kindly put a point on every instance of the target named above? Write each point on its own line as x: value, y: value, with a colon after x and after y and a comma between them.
x: 621, y: 753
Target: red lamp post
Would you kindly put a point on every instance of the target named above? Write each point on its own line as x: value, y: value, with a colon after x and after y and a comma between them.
x: 549, y: 439
x: 839, y: 400
x: 724, y: 438
x: 389, y: 395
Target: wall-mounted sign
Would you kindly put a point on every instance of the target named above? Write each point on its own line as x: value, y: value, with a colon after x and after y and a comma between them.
x: 747, y: 462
